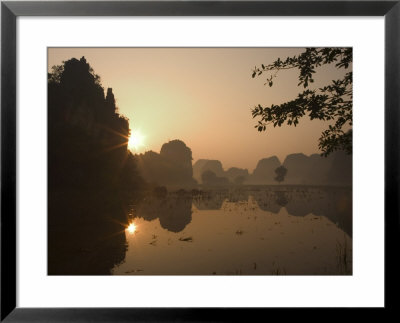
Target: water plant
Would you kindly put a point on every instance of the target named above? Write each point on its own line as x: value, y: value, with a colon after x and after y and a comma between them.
x: 343, y: 257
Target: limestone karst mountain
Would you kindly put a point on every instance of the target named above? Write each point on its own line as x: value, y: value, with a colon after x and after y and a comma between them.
x: 264, y: 172
x: 172, y: 166
x: 87, y: 137
x: 336, y: 169
x: 202, y: 165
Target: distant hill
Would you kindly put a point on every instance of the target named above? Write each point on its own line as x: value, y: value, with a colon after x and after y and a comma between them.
x: 264, y: 172
x: 341, y: 169
x: 203, y: 165
x: 317, y: 170
x: 232, y: 175
x: 336, y: 169
x: 172, y: 166
x: 237, y: 175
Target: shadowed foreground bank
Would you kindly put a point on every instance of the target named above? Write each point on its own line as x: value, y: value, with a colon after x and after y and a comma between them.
x: 86, y: 232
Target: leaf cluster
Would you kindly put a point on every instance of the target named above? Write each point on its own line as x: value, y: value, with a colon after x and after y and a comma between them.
x: 333, y: 102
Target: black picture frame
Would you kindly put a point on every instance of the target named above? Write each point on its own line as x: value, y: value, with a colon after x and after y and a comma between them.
x: 10, y: 10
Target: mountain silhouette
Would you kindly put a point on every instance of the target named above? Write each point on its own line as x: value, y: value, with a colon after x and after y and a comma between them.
x: 264, y: 173
x: 172, y: 166
x: 87, y: 137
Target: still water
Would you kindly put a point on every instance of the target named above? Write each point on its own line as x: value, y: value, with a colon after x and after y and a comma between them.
x: 240, y: 231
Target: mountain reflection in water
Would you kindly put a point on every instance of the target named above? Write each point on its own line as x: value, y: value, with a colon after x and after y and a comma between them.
x: 173, y: 211
x: 250, y: 231
x: 331, y: 202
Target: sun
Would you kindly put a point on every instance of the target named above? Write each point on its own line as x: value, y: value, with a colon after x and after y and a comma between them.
x: 131, y: 228
x: 136, y: 140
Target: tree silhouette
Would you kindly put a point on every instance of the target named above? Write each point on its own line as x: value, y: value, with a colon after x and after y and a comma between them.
x: 280, y: 173
x: 332, y: 102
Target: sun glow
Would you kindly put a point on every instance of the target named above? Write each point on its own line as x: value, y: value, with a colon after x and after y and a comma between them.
x: 131, y: 228
x: 136, y: 140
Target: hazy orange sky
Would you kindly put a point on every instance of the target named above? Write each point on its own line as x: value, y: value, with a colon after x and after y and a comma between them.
x: 203, y: 96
